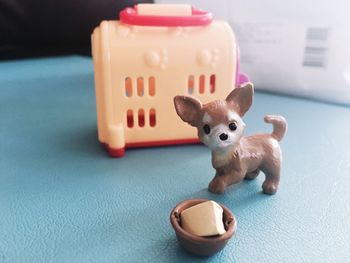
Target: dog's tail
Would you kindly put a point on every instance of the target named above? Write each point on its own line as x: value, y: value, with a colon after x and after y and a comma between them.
x: 279, y: 125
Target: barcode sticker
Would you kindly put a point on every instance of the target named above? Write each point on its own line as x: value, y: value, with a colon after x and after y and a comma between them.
x: 316, y: 47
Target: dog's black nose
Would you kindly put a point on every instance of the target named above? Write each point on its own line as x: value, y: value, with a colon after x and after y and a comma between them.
x: 223, y: 136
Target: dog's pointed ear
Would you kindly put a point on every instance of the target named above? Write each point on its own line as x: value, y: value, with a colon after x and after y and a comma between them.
x: 241, y: 98
x: 187, y: 108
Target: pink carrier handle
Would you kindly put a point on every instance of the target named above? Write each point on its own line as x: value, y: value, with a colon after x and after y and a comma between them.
x: 198, y: 18
x: 241, y: 77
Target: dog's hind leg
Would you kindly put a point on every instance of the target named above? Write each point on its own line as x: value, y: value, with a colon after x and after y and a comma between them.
x: 270, y: 186
x: 272, y: 178
x: 252, y: 175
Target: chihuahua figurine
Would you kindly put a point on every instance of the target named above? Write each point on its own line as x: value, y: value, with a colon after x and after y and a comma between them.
x: 235, y: 157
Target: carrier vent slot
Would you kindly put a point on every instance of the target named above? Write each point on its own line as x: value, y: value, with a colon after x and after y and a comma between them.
x: 141, y: 117
x: 212, y: 83
x: 128, y: 87
x: 140, y: 87
x: 152, y: 117
x: 201, y: 84
x: 151, y: 86
x: 130, y: 118
x: 190, y: 84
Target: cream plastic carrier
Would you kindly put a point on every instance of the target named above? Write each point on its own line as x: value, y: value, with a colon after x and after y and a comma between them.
x: 152, y: 54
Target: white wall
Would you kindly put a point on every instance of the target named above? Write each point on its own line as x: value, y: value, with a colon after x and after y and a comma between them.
x: 334, y: 11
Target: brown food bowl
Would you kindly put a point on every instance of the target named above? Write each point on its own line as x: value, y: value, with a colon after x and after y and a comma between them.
x: 202, y: 246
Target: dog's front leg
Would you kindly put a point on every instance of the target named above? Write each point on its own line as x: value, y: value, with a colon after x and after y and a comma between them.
x: 218, y: 183
x: 222, y: 179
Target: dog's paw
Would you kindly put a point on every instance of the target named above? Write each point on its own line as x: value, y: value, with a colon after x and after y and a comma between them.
x: 270, y: 187
x: 217, y: 186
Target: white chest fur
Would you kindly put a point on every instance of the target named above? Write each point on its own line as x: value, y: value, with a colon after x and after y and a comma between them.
x: 222, y: 157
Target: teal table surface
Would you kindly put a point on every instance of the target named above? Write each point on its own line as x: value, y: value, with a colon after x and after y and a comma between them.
x: 62, y: 199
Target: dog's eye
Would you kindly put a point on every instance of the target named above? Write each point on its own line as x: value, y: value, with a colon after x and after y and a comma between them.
x: 232, y: 126
x: 206, y: 129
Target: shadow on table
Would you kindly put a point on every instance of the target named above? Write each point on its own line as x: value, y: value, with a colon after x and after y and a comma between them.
x: 243, y: 194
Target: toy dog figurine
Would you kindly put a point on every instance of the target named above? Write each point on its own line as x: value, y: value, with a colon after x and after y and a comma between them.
x: 220, y: 127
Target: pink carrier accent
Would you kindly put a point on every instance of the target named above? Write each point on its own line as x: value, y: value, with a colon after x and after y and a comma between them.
x: 198, y: 18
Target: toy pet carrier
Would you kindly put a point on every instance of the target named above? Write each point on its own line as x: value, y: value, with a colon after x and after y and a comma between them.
x: 152, y: 54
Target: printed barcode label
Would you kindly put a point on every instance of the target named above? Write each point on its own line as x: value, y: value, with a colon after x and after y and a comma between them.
x: 316, y: 47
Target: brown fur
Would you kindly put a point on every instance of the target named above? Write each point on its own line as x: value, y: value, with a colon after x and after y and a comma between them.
x: 235, y: 157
